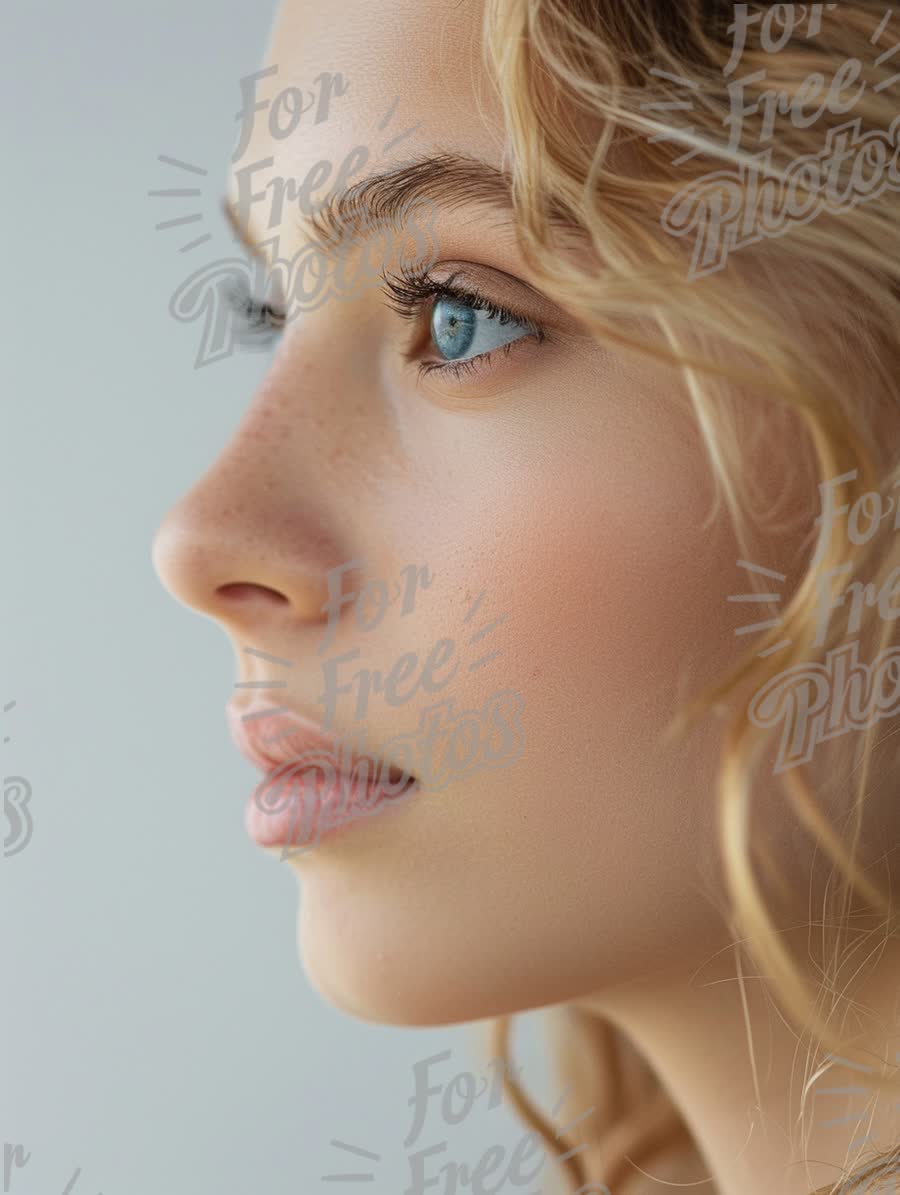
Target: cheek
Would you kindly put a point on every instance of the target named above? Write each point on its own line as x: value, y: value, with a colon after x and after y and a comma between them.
x: 617, y: 594
x: 618, y: 615
x: 449, y: 910
x: 597, y: 847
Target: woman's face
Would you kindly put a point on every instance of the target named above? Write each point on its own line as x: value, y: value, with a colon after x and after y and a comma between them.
x: 555, y: 494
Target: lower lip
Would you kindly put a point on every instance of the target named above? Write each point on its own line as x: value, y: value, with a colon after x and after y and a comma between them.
x: 294, y: 809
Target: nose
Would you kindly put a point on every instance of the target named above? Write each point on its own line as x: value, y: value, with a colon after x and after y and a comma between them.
x: 252, y: 542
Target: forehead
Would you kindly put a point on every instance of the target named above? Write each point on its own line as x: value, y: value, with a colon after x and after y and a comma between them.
x: 353, y: 87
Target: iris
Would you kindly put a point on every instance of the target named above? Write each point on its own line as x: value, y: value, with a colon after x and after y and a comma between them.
x: 453, y: 327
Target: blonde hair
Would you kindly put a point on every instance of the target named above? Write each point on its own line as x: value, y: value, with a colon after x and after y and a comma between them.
x: 592, y: 92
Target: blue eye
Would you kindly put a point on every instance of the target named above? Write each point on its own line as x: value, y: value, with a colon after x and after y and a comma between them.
x: 465, y: 326
x: 459, y: 330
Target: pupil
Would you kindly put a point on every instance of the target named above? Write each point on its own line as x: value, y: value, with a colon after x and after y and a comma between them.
x: 452, y: 327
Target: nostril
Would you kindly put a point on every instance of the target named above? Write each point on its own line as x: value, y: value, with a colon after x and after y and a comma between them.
x: 246, y: 591
x: 397, y: 776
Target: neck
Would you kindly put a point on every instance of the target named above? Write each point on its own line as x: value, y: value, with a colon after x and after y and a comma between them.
x: 736, y: 1071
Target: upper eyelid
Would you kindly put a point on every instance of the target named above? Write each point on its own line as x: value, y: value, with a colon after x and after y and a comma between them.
x: 436, y: 288
x: 502, y: 289
x: 479, y: 301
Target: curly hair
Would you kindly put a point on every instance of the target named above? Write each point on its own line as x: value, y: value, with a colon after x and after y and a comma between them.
x: 626, y: 121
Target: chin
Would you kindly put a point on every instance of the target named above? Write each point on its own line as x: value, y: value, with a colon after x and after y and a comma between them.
x: 390, y: 975
x: 381, y: 980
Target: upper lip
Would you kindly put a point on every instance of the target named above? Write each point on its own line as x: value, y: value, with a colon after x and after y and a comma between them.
x: 271, y: 736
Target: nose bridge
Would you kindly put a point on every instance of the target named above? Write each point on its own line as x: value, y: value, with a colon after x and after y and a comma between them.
x: 260, y: 530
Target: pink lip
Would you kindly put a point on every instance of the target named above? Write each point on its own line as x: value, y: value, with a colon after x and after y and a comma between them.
x: 314, y: 783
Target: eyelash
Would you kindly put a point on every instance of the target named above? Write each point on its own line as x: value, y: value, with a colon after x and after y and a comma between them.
x: 252, y: 314
x: 411, y: 290
x: 408, y: 293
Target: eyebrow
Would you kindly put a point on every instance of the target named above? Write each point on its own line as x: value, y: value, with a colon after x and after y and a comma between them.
x: 447, y: 180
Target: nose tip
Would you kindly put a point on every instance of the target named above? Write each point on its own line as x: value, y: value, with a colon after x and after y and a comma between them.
x: 221, y: 567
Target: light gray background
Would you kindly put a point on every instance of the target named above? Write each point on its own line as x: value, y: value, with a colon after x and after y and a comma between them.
x: 159, y: 1032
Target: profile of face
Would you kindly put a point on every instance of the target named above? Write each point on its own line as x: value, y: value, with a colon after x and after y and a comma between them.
x: 531, y: 499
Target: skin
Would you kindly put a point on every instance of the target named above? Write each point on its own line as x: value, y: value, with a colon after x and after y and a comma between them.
x: 568, y: 483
